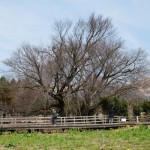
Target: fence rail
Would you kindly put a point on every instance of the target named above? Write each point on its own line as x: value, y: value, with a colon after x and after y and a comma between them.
x: 70, y: 122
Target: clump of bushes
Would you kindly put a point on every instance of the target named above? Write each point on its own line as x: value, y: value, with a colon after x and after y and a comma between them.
x: 120, y: 106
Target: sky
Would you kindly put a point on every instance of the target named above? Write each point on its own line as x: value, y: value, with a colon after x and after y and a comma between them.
x: 31, y: 21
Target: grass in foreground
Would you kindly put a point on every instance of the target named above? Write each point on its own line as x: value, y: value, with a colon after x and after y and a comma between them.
x: 136, y: 138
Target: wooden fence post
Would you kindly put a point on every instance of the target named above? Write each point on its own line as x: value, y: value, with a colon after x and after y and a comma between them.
x: 137, y: 119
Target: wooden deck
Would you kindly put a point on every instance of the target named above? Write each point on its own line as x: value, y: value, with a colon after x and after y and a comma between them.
x: 79, y: 122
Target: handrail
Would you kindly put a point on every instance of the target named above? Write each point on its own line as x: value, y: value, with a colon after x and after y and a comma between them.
x: 61, y: 120
x: 70, y: 120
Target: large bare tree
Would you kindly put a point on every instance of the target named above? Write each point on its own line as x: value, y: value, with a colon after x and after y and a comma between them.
x: 84, y: 59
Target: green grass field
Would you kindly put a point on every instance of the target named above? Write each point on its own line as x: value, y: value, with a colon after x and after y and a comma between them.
x: 135, y: 138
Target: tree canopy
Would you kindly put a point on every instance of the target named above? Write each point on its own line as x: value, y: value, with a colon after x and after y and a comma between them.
x: 85, y: 61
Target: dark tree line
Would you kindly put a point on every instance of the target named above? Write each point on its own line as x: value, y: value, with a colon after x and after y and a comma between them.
x: 17, y: 100
x: 83, y: 63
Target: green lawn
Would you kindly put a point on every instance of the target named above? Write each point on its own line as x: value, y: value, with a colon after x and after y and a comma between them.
x: 136, y: 138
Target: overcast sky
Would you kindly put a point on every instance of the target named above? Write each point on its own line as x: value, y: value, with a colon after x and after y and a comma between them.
x: 31, y: 21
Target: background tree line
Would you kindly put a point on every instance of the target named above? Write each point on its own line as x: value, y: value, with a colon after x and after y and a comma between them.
x: 17, y: 100
x: 85, y: 62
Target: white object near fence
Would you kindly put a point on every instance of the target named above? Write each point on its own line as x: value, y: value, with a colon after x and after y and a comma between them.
x: 123, y: 119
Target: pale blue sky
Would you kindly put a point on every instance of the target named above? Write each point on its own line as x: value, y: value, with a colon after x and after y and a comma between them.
x: 31, y: 20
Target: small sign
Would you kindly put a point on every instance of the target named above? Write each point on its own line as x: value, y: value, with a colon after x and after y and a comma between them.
x: 123, y: 119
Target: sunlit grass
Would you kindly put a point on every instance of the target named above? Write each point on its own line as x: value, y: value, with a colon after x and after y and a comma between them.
x: 135, y: 138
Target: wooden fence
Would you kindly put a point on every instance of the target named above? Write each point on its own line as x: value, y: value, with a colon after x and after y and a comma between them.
x: 70, y: 122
